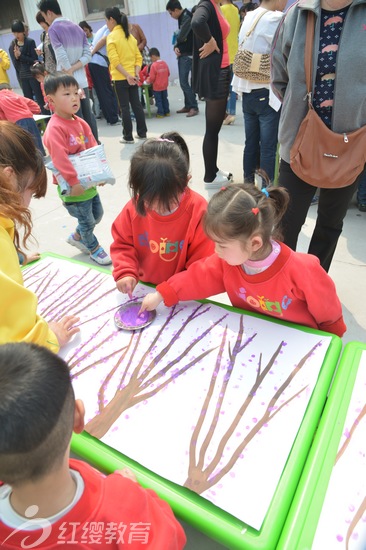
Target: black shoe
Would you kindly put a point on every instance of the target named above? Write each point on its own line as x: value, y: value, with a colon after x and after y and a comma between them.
x: 361, y: 206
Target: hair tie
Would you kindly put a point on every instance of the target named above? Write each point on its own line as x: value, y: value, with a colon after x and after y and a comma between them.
x: 264, y: 190
x: 223, y: 188
x: 255, y: 211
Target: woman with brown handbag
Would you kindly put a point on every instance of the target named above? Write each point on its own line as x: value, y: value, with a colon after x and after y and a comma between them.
x: 338, y: 62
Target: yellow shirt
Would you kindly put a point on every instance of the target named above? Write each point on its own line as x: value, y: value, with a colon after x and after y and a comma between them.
x: 19, y: 321
x: 123, y: 51
x: 231, y: 14
x: 4, y: 66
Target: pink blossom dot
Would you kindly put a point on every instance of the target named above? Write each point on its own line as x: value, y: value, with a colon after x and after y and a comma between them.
x: 232, y: 474
x: 339, y: 538
x: 127, y: 416
x: 238, y: 434
x: 255, y: 420
x: 351, y: 508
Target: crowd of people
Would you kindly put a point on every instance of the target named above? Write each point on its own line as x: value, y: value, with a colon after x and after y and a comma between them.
x: 243, y: 241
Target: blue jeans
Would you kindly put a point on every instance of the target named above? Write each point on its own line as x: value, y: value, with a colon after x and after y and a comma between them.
x: 231, y: 102
x: 184, y: 68
x: 88, y: 214
x: 261, y: 133
x: 361, y: 191
x: 162, y: 103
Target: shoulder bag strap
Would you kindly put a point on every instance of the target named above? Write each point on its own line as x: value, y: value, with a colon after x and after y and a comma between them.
x: 309, y: 43
x: 253, y: 27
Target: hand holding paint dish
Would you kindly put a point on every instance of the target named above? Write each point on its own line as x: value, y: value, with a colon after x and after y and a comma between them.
x: 128, y: 317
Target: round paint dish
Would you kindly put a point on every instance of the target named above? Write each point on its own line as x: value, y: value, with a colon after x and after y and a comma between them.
x: 127, y: 317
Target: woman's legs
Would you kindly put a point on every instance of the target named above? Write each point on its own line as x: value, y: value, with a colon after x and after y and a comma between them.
x: 332, y: 209
x: 215, y: 114
x: 138, y: 111
x: 122, y: 93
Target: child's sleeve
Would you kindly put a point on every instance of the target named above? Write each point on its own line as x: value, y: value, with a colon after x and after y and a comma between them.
x: 318, y: 291
x: 153, y: 515
x: 32, y: 105
x: 201, y: 280
x: 152, y: 74
x: 19, y: 321
x: 123, y: 252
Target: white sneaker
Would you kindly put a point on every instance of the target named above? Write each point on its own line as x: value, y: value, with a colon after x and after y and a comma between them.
x: 77, y: 243
x: 227, y: 175
x: 101, y: 257
x: 128, y: 141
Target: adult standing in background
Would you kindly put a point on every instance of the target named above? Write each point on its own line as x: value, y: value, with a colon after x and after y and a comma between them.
x: 99, y: 71
x: 49, y: 58
x: 183, y: 47
x: 211, y: 80
x: 125, y: 64
x: 231, y: 14
x: 4, y: 66
x: 72, y: 53
x: 261, y: 109
x: 138, y: 33
x: 339, y: 84
x: 25, y: 56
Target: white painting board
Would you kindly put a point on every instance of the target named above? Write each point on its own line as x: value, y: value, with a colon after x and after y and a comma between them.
x: 342, y: 523
x: 208, y: 398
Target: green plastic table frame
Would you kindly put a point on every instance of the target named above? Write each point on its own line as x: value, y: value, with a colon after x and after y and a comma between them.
x: 199, y: 512
x: 302, y: 520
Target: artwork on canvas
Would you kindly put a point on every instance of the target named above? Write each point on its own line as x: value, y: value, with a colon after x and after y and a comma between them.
x: 342, y: 522
x: 206, y: 397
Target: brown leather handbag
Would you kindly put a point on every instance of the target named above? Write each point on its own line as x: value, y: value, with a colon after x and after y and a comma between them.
x: 319, y: 156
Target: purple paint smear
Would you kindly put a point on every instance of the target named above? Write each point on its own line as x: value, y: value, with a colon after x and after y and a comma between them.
x: 130, y: 318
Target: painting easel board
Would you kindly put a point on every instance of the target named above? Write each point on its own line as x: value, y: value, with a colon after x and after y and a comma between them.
x: 207, y: 397
x: 329, y: 508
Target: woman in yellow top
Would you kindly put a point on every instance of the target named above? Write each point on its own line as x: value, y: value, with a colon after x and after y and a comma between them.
x: 22, y: 176
x: 4, y: 66
x: 125, y: 64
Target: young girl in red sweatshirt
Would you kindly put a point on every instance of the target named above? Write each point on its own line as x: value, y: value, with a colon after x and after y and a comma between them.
x: 159, y: 232
x: 259, y: 273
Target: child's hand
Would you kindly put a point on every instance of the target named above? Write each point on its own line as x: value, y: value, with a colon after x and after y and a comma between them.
x: 126, y: 472
x: 151, y: 302
x: 126, y: 285
x: 76, y: 190
x: 65, y: 329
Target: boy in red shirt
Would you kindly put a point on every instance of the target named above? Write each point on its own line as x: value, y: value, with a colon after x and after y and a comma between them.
x: 159, y: 78
x: 68, y: 134
x: 48, y: 500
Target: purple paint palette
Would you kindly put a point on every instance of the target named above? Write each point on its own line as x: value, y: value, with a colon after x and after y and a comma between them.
x: 127, y: 317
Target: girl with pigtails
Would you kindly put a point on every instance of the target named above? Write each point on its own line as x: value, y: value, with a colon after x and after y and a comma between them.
x: 259, y: 273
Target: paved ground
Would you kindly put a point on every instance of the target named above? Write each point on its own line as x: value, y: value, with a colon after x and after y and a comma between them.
x: 52, y: 224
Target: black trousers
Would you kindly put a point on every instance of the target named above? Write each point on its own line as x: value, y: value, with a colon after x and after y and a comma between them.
x: 332, y: 209
x: 31, y: 88
x: 104, y: 89
x: 129, y: 95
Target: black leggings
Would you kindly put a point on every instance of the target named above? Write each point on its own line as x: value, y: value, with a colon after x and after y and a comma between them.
x: 332, y: 209
x: 215, y: 114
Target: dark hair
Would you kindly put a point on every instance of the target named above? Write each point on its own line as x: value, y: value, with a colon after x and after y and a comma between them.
x: 17, y: 26
x: 154, y: 51
x: 173, y: 5
x: 36, y: 412
x: 17, y: 150
x: 40, y: 18
x: 49, y: 5
x: 85, y: 25
x: 179, y: 140
x: 158, y: 173
x: 53, y: 82
x: 230, y: 216
x: 249, y: 6
x: 120, y: 19
x: 38, y: 68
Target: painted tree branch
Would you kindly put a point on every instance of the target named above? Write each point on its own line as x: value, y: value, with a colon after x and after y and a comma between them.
x: 200, y: 479
x: 133, y: 391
